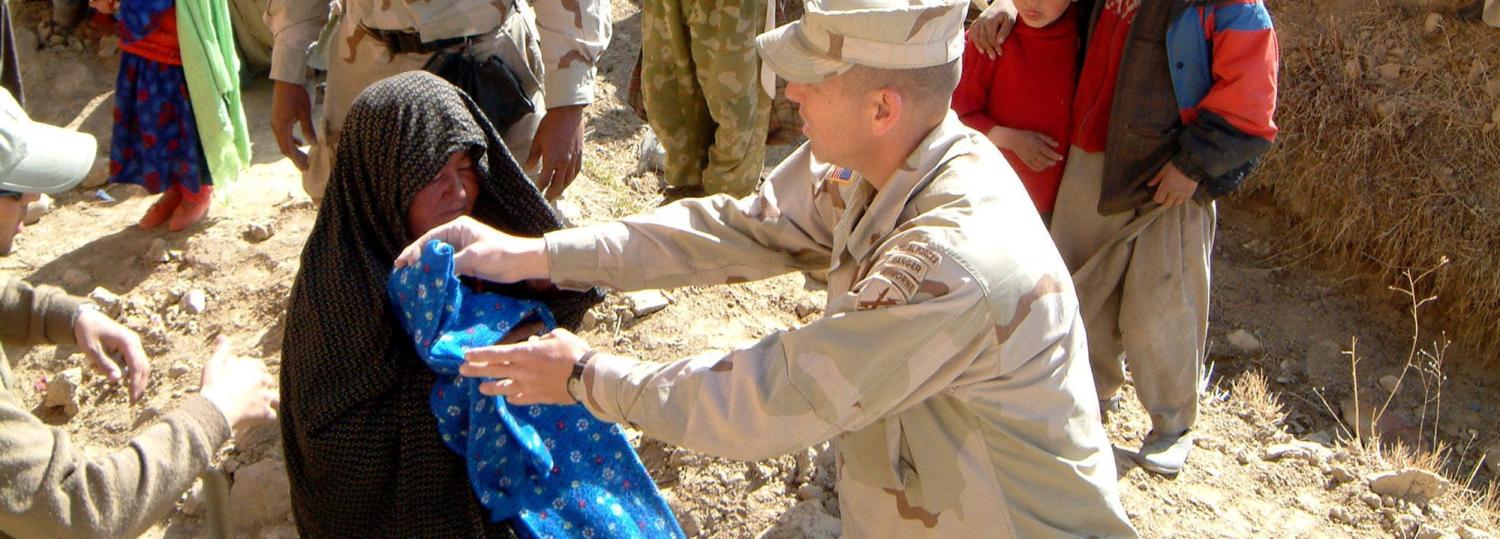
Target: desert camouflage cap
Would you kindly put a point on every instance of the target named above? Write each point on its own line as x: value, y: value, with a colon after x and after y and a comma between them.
x: 834, y: 35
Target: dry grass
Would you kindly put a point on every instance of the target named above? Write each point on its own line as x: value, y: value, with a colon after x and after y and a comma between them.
x: 1396, y: 173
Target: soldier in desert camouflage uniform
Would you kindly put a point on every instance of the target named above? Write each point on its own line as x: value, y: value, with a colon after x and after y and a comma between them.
x: 950, y: 369
x: 552, y: 52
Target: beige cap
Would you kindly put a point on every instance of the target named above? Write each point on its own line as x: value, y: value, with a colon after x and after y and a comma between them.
x: 39, y: 158
x: 834, y: 35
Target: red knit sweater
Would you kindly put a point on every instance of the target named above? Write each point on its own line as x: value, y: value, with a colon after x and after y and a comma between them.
x: 1029, y: 87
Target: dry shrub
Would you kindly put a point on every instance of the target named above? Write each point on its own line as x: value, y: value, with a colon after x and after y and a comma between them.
x: 1394, y: 173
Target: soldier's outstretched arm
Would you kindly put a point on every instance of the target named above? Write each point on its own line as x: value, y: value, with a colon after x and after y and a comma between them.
x: 783, y: 227
x: 798, y: 387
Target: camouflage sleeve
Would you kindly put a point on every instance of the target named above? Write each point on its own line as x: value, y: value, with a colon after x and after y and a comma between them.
x: 573, y: 34
x: 884, y: 352
x: 783, y: 227
x: 295, y: 25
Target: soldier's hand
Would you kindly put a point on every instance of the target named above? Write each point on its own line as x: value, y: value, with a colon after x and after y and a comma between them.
x: 559, y: 147
x: 1172, y: 186
x: 103, y: 339
x: 992, y: 27
x: 532, y: 372
x: 483, y: 252
x: 290, y: 105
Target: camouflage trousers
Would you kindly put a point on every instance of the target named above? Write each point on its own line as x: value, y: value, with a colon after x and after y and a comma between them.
x: 1143, y: 283
x: 356, y: 60
x: 700, y: 77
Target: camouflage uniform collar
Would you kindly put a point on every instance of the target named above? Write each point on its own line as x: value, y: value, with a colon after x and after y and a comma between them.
x: 888, y: 204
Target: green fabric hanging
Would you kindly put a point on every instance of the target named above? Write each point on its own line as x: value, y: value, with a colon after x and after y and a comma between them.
x: 212, y: 69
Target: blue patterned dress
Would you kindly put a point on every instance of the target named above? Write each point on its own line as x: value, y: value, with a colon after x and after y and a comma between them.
x: 155, y: 140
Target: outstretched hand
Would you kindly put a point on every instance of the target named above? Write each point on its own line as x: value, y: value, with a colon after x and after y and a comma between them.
x: 103, y: 339
x: 240, y: 388
x: 483, y: 252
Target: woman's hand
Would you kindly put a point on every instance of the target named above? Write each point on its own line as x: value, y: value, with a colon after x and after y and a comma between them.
x: 1037, y: 151
x: 1172, y: 186
x: 483, y: 252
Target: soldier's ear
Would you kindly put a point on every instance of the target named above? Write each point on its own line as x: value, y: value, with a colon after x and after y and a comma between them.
x: 888, y: 106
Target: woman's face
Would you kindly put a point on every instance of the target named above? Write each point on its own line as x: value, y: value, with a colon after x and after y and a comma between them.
x: 450, y: 194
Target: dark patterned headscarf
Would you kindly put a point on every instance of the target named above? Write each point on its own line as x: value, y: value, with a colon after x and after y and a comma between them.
x: 362, y: 446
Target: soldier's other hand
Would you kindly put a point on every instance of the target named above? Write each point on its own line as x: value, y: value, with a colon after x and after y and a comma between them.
x: 103, y: 339
x: 483, y: 252
x: 992, y: 27
x: 240, y: 388
x: 531, y: 372
x: 290, y: 105
x: 559, y: 147
x: 1172, y: 186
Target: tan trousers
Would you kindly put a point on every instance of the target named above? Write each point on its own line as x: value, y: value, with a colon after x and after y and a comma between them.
x: 356, y: 60
x: 1143, y: 282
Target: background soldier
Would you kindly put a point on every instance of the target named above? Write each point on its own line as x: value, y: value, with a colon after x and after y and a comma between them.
x: 551, y: 52
x: 950, y: 368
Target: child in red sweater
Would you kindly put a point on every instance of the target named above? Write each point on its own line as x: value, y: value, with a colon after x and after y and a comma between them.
x: 1022, y: 100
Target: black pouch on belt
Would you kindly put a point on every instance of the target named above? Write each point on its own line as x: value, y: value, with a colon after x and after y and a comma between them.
x: 488, y: 81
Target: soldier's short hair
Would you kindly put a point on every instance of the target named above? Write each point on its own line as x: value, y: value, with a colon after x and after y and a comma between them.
x: 925, y: 88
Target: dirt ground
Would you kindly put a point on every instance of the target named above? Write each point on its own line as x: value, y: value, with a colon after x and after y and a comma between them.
x: 1301, y: 309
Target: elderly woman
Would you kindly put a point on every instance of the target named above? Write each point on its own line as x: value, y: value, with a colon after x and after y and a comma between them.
x: 362, y: 445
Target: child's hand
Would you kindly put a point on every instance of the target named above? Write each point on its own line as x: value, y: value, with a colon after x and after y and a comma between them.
x: 103, y: 6
x: 1038, y: 151
x: 1172, y: 186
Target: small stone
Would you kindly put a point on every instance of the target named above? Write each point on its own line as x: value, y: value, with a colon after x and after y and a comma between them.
x: 106, y: 300
x: 1405, y: 524
x: 63, y: 389
x: 230, y: 465
x: 809, y: 491
x: 261, y: 494
x: 1244, y: 457
x: 1411, y: 484
x: 1352, y: 69
x: 259, y: 232
x: 1299, y: 450
x: 1340, y: 514
x: 44, y: 30
x: 1436, y: 512
x: 1388, y: 501
x: 1371, y: 499
x: 194, y: 302
x: 646, y: 302
x: 588, y: 322
x: 76, y: 279
x: 1321, y: 438
x: 1492, y: 458
x: 1492, y: 88
x: 807, y: 519
x: 57, y: 40
x: 35, y: 210
x: 1340, y: 475
x: 149, y: 413
x: 1244, y: 342
x: 1390, y: 71
x: 1433, y: 23
x: 157, y: 252
x: 1388, y: 383
x: 1466, y: 532
x: 1429, y: 532
x: 178, y: 370
x: 75, y: 44
x: 807, y: 307
x: 108, y: 45
x: 192, y: 500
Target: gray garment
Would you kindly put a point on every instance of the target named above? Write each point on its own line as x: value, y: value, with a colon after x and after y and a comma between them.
x: 1143, y: 285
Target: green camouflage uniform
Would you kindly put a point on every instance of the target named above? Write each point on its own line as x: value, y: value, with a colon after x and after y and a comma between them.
x: 552, y: 50
x: 950, y: 368
x: 703, y: 97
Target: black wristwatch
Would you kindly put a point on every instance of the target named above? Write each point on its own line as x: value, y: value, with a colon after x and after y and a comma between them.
x: 576, y: 388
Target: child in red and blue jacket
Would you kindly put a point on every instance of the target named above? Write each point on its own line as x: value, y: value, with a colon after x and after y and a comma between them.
x: 1173, y: 109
